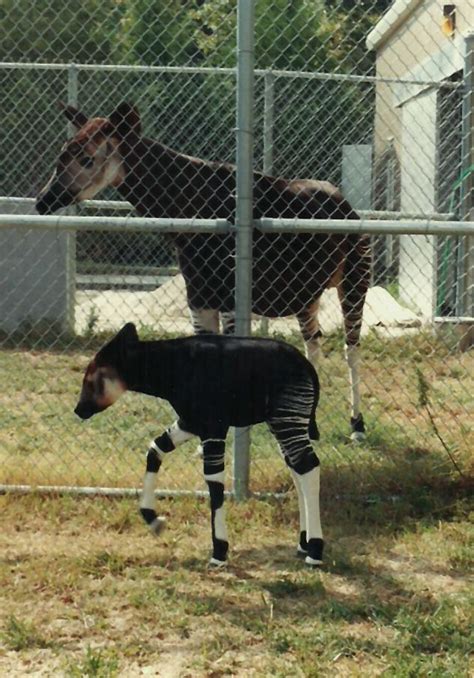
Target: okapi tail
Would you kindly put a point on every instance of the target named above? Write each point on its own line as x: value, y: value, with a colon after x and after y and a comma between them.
x: 354, y: 285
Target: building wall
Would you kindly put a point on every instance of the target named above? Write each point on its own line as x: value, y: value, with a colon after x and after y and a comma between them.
x: 411, y: 46
x: 416, y: 50
x: 417, y: 270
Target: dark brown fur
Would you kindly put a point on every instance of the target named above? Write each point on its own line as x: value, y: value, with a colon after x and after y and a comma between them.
x: 290, y: 271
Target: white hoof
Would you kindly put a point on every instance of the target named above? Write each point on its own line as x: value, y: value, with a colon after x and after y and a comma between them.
x: 357, y: 436
x: 312, y: 562
x: 158, y: 525
x: 214, y: 563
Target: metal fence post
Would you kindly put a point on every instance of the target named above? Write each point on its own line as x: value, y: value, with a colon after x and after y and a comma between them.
x: 466, y: 296
x: 268, y: 111
x: 72, y: 100
x: 244, y: 214
x: 268, y: 114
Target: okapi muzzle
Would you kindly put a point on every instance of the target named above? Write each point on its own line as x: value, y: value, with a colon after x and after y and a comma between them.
x: 101, y: 387
x: 86, y: 409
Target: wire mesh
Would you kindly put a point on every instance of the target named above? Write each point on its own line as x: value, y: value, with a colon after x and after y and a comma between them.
x: 373, y: 96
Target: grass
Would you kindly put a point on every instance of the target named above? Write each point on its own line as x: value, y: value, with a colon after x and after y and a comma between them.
x: 86, y: 591
x: 86, y: 594
x: 20, y: 635
x: 94, y: 664
x: 42, y: 442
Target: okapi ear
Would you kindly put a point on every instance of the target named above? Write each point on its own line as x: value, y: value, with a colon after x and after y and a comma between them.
x: 75, y: 116
x: 114, y: 353
x: 126, y: 120
x: 128, y: 334
x: 124, y: 340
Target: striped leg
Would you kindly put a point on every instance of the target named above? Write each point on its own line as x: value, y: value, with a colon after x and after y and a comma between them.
x: 309, y: 326
x: 304, y: 465
x: 289, y: 424
x: 302, y: 549
x: 171, y: 438
x: 205, y: 321
x: 357, y: 421
x: 213, y: 455
x: 352, y: 292
x: 314, y: 534
x: 228, y: 322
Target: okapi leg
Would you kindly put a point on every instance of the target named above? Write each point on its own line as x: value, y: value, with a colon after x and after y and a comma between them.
x: 289, y: 424
x: 213, y: 453
x: 302, y: 549
x: 309, y: 326
x: 228, y: 322
x: 205, y: 321
x: 167, y: 442
x: 304, y: 464
x: 352, y: 292
x: 314, y: 534
x: 357, y: 421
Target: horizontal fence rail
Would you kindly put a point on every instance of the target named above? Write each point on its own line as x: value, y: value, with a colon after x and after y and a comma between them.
x: 123, y: 206
x: 306, y: 75
x: 124, y: 224
x: 366, y: 226
x: 137, y: 224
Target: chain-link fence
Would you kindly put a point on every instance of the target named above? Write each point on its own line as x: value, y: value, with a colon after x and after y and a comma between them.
x: 375, y: 97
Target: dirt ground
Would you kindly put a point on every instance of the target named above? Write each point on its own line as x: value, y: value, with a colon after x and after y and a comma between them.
x: 86, y: 591
x: 165, y: 309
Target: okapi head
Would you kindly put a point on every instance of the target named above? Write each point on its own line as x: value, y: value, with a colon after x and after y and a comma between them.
x: 91, y: 160
x: 105, y: 377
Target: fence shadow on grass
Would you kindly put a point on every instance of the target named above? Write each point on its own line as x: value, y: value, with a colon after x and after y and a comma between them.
x: 294, y: 596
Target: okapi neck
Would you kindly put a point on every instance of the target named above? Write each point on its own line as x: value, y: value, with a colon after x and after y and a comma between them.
x: 147, y: 367
x: 148, y: 178
x: 143, y: 154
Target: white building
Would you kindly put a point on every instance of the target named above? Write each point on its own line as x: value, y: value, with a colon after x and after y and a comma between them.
x: 427, y: 130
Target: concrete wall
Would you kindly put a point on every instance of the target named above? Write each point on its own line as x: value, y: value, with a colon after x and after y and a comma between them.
x: 36, y: 278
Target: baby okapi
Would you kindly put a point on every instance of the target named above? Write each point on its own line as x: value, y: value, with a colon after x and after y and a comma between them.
x: 214, y: 382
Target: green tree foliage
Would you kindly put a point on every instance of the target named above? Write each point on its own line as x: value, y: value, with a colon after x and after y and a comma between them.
x: 192, y: 112
x: 289, y: 35
x: 55, y: 31
x: 352, y: 21
x: 157, y: 33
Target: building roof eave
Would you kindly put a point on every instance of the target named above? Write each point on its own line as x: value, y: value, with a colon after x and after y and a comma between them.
x: 390, y: 22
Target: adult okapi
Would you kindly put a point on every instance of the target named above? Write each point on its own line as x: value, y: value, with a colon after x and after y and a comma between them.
x: 290, y: 271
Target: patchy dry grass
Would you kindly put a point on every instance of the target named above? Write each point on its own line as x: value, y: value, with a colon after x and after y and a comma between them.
x: 86, y: 591
x: 42, y: 442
